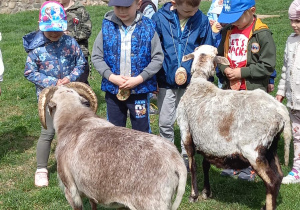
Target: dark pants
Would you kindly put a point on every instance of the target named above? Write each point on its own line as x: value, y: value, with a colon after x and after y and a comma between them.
x: 84, y: 76
x: 138, y: 106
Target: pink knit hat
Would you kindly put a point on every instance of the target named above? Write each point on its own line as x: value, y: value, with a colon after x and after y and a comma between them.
x: 294, y: 10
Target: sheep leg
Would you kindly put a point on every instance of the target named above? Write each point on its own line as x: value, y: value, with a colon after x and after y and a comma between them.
x: 268, y: 171
x: 190, y: 150
x: 206, y: 192
x: 93, y: 204
x: 71, y: 201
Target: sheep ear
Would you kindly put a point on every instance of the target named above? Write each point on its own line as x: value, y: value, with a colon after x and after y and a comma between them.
x: 83, y: 100
x: 188, y: 57
x: 221, y: 60
x: 51, y: 106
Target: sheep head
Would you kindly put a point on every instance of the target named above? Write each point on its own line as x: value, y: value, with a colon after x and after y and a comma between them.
x: 205, y: 60
x: 81, y: 90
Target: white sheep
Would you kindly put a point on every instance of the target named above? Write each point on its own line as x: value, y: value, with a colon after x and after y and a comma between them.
x: 112, y: 166
x: 231, y: 129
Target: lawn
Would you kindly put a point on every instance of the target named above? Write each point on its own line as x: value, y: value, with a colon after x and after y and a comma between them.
x: 20, y: 127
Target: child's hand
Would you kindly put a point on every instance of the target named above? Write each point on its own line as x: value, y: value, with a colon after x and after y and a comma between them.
x: 117, y: 79
x: 218, y: 26
x: 270, y: 88
x: 131, y: 82
x: 279, y: 98
x: 211, y: 22
x: 233, y: 74
x: 63, y: 81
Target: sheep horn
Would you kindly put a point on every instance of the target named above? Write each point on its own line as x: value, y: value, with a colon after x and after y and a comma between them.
x: 44, y: 98
x: 85, y: 91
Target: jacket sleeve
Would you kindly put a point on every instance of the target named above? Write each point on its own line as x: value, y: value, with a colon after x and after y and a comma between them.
x: 155, y: 18
x: 282, y: 82
x: 206, y: 35
x: 33, y: 74
x: 157, y: 58
x: 272, y: 77
x: 209, y: 14
x: 267, y: 59
x: 97, y: 57
x: 80, y: 63
x: 221, y: 48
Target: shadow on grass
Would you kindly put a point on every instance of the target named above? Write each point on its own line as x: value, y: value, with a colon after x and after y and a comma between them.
x: 15, y: 140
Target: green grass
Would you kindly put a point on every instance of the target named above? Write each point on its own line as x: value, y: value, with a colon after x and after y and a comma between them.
x: 20, y: 127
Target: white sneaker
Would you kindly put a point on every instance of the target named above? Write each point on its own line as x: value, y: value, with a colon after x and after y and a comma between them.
x: 41, y: 177
x: 292, y: 177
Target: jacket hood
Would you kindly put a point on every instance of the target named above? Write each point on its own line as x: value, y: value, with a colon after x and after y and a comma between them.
x: 33, y: 40
x: 113, y: 18
x: 165, y: 11
x: 259, y: 25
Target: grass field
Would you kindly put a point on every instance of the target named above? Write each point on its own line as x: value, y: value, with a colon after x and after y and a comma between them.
x: 20, y: 127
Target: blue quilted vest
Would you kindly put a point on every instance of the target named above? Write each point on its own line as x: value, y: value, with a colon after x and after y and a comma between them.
x: 140, y: 53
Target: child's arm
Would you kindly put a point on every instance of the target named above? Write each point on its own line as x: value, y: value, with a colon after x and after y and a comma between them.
x: 100, y: 64
x: 272, y: 81
x: 282, y: 83
x: 81, y: 62
x: 211, y: 17
x: 208, y: 37
x: 267, y: 60
x: 33, y: 74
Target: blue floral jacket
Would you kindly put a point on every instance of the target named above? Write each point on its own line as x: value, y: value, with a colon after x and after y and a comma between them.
x: 49, y: 61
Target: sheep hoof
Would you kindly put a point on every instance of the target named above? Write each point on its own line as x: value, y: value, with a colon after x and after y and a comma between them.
x: 206, y: 195
x: 193, y: 199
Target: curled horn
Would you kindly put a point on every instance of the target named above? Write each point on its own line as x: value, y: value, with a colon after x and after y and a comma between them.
x: 85, y: 91
x: 44, y: 98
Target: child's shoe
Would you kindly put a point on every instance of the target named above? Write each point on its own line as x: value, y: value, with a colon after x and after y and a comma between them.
x: 292, y: 177
x: 41, y: 177
x: 247, y: 174
x: 229, y: 172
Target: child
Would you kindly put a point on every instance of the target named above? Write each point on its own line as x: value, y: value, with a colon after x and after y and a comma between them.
x: 53, y: 59
x: 80, y: 28
x: 250, y: 49
x: 181, y: 27
x: 288, y: 87
x: 127, y: 53
x: 1, y: 66
x: 213, y: 15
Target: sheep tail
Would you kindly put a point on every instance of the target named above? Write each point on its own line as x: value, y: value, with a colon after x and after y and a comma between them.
x: 182, y: 175
x: 287, y: 134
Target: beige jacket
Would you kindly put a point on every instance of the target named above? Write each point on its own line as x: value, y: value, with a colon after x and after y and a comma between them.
x: 289, y: 84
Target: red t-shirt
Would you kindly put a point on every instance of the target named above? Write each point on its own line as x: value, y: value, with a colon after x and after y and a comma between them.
x: 237, y: 53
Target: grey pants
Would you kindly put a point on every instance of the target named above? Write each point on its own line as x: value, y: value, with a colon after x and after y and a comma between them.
x: 44, y: 143
x: 167, y: 102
